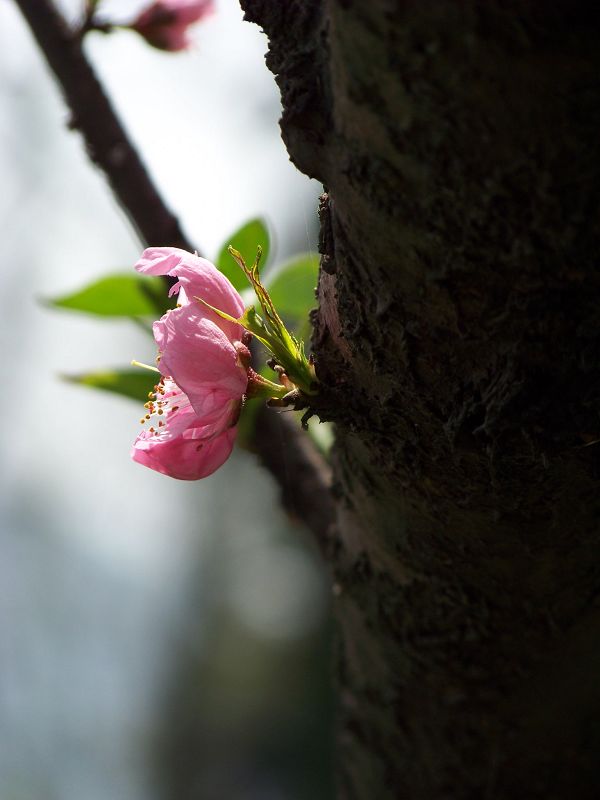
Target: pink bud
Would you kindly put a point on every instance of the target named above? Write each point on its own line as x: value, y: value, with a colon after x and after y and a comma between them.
x: 164, y: 24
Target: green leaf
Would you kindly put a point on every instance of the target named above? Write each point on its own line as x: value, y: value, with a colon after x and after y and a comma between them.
x: 292, y: 288
x: 246, y: 240
x: 133, y: 383
x: 118, y: 295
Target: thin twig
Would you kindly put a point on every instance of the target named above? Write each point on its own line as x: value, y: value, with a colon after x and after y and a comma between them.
x: 287, y: 453
x: 301, y: 472
x: 106, y: 141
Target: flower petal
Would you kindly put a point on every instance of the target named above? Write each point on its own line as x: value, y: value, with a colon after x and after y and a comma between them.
x: 196, y: 275
x: 159, y: 260
x: 200, y: 358
x: 188, y: 457
x: 219, y: 412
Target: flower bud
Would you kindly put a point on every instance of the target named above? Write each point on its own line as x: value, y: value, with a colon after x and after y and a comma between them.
x: 164, y: 24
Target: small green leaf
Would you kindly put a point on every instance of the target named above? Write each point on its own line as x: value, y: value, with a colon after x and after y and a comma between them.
x: 292, y: 288
x: 118, y: 295
x: 133, y: 383
x: 245, y: 240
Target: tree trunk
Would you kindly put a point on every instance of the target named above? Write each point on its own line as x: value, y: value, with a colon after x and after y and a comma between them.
x: 458, y: 339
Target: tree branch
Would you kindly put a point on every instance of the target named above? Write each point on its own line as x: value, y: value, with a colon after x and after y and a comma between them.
x: 290, y: 456
x: 302, y: 474
x: 106, y: 142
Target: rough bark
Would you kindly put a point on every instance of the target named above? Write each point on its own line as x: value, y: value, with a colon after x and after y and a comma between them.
x: 458, y: 338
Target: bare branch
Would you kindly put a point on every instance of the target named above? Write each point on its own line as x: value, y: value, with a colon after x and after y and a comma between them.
x: 303, y: 475
x: 106, y: 141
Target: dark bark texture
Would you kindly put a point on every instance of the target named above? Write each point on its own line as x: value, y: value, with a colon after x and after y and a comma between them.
x: 458, y: 340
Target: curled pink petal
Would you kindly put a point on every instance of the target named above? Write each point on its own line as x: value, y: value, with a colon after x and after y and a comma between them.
x: 159, y: 260
x: 186, y: 457
x: 196, y: 276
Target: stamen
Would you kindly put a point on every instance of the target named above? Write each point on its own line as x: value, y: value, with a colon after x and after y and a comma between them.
x: 143, y: 366
x: 159, y: 407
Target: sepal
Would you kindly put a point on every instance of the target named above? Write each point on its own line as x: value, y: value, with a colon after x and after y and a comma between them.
x: 296, y: 372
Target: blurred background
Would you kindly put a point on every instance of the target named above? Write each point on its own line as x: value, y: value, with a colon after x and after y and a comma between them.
x: 158, y: 639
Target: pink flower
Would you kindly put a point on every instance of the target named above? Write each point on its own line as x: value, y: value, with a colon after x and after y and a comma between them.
x: 204, y: 363
x: 164, y: 24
